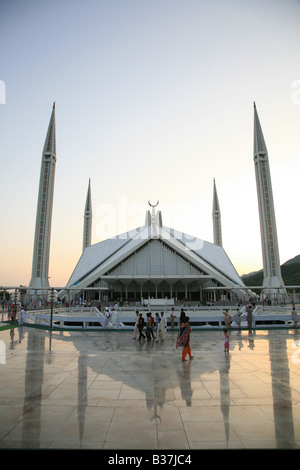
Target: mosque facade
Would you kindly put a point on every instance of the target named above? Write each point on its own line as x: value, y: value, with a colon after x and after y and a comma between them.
x: 155, y: 262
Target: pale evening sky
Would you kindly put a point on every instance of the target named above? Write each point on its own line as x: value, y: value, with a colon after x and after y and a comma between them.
x: 154, y: 99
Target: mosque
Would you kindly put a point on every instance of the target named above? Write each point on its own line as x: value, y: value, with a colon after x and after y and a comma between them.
x: 155, y: 262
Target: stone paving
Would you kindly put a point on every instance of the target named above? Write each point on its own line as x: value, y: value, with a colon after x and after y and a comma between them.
x: 105, y: 390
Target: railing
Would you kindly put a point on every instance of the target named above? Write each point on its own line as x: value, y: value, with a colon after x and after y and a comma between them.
x: 91, y: 318
x: 124, y: 318
x: 80, y: 318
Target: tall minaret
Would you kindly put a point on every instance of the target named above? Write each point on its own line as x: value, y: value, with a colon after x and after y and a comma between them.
x: 216, y: 214
x: 41, y: 249
x: 269, y: 242
x: 87, y: 224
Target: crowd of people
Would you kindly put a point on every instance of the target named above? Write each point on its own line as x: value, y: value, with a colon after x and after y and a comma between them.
x: 155, y: 329
x: 15, y: 313
x: 151, y: 325
x: 157, y: 324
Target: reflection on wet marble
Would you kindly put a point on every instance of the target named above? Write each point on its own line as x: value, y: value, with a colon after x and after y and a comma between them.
x: 104, y: 390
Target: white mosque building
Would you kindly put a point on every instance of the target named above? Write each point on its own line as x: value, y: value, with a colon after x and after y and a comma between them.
x: 154, y: 261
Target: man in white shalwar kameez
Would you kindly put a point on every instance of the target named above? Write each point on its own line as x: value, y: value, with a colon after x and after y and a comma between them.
x: 107, y: 315
x: 22, y: 316
x: 164, y: 324
x: 160, y: 331
x: 136, y: 328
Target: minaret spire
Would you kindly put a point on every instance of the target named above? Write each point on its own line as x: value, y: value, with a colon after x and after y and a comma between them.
x: 41, y: 249
x: 260, y: 147
x: 269, y: 242
x: 87, y: 224
x: 216, y: 214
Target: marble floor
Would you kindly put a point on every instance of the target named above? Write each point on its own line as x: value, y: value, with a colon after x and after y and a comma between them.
x: 105, y: 390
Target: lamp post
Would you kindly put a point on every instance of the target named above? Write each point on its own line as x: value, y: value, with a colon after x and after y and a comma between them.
x: 51, y: 305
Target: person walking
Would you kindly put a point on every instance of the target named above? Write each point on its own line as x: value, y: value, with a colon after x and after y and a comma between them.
x: 183, y: 339
x: 141, y: 324
x: 156, y: 322
x: 227, y: 319
x: 182, y: 316
x: 152, y: 326
x: 160, y: 331
x: 136, y: 329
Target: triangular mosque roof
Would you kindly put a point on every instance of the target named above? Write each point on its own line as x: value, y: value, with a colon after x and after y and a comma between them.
x: 101, y: 258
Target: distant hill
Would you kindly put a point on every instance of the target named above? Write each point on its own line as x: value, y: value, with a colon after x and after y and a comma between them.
x: 290, y: 272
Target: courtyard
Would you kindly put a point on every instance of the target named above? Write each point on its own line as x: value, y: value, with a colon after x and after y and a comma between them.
x: 106, y: 390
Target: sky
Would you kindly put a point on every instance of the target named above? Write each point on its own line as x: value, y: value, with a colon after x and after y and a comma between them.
x: 154, y: 99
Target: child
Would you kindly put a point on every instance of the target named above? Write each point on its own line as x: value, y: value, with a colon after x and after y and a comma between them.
x: 226, y: 341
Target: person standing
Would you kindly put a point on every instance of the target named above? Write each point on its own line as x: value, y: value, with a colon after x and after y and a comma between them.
x: 226, y: 341
x: 107, y: 315
x: 238, y: 317
x: 183, y: 339
x: 13, y: 313
x: 227, y: 319
x: 172, y: 317
x: 160, y: 331
x: 294, y: 316
x: 249, y: 316
x: 22, y: 315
